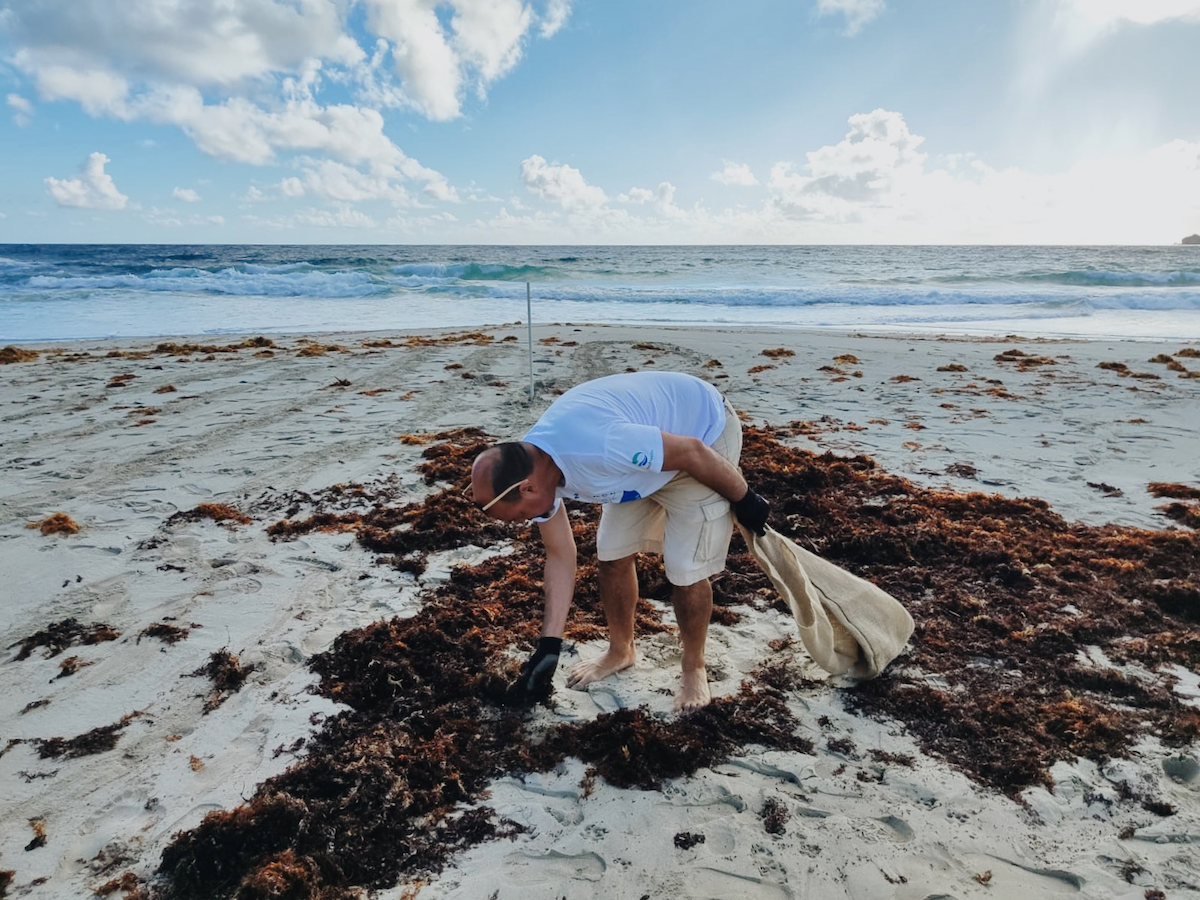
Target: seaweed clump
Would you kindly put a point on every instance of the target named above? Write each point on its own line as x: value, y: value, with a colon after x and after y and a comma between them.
x: 217, y: 512
x: 98, y: 740
x: 56, y: 523
x: 407, y: 532
x: 63, y: 635
x: 1184, y: 513
x: 130, y: 884
x: 1005, y: 594
x: 11, y: 354
x: 227, y: 676
x: 175, y: 349
x: 165, y: 632
x: 775, y: 816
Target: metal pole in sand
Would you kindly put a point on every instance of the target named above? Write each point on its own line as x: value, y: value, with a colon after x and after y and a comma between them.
x: 529, y: 323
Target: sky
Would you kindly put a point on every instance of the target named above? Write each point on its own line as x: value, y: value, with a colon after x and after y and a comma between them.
x: 600, y: 121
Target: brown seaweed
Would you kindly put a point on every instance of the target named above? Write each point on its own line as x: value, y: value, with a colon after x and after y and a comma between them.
x: 39, y: 834
x: 60, y: 636
x: 98, y: 740
x: 1024, y: 361
x: 994, y: 584
x: 11, y: 354
x: 165, y: 632
x: 1174, y: 491
x: 1004, y: 592
x: 56, y: 523
x: 71, y: 665
x: 217, y: 512
x: 175, y: 349
x: 227, y: 676
x: 775, y: 816
x: 1184, y: 513
x: 132, y: 887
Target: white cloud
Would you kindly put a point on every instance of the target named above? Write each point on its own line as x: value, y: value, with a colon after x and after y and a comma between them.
x: 93, y: 189
x: 879, y: 184
x: 637, y: 195
x: 194, y: 42
x: 166, y: 218
x: 94, y: 87
x: 554, y: 18
x: 1099, y: 15
x: 738, y: 174
x: 23, y: 109
x: 244, y: 78
x: 878, y: 155
x: 429, y: 70
x: 857, y: 12
x: 187, y: 195
x: 438, y: 58
x: 560, y: 184
x: 342, y: 216
x: 330, y: 180
x: 876, y: 185
x: 663, y: 197
x: 488, y: 35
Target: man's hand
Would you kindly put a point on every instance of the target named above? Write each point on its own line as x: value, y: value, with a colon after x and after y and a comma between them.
x: 534, y: 681
x: 752, y: 511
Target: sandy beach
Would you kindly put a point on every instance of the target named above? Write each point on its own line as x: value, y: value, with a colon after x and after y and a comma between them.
x: 248, y: 524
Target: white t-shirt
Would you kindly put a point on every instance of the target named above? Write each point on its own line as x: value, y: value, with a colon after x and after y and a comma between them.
x: 606, y: 435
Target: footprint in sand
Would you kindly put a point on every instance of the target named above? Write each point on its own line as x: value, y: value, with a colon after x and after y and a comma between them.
x: 712, y: 882
x: 554, y: 868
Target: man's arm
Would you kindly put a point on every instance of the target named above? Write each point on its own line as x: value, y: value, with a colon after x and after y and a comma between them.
x: 711, y: 469
x: 702, y: 462
x: 559, y: 576
x: 535, y: 680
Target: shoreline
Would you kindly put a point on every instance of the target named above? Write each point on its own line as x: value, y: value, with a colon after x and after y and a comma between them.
x: 999, y: 330
x: 101, y: 439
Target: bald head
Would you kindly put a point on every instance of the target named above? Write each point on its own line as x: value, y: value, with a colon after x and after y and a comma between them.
x: 498, y: 468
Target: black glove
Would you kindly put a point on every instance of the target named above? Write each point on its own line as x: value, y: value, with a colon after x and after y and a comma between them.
x: 752, y: 511
x: 534, y: 681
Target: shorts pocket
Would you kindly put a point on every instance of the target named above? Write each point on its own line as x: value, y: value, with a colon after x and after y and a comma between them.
x: 716, y: 528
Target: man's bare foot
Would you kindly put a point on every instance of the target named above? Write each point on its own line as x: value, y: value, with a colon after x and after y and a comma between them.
x: 693, y: 691
x: 584, y: 673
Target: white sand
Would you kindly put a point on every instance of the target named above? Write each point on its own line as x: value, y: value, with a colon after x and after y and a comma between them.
x: 239, y: 425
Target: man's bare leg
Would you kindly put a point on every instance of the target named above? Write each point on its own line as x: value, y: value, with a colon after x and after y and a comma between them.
x: 619, y: 594
x: 693, y: 608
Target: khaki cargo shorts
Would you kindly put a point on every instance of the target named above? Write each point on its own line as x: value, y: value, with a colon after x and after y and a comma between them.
x: 689, y: 524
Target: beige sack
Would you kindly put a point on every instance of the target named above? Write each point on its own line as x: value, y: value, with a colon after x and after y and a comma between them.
x: 848, y: 625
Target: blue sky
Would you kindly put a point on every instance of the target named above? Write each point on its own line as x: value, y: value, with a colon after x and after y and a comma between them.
x: 600, y: 121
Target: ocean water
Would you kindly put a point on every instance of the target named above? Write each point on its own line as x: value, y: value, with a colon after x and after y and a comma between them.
x: 66, y: 292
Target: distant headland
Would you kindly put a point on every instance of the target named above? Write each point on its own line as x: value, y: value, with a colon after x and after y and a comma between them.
x: 1192, y: 239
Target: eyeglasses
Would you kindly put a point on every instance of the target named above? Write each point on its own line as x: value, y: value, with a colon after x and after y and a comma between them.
x: 469, y: 493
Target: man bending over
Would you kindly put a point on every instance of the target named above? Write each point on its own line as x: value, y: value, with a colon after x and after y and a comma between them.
x: 659, y: 450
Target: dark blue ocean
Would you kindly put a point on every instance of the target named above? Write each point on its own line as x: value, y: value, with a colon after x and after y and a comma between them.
x: 63, y: 292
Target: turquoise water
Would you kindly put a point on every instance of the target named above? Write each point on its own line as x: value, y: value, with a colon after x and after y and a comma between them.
x: 59, y: 292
